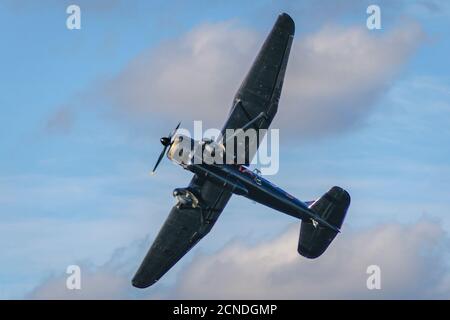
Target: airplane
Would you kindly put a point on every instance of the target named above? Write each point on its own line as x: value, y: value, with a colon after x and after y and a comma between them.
x: 200, y: 204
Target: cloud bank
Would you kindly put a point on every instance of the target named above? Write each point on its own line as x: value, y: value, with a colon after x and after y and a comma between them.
x: 411, y: 267
x: 411, y: 258
x: 334, y: 79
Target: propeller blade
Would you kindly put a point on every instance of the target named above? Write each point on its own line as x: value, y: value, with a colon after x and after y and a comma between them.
x: 166, y: 142
x: 159, y: 159
x: 174, y: 130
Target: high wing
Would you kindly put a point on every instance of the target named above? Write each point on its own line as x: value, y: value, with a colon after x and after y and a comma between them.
x: 183, y: 228
x: 256, y: 102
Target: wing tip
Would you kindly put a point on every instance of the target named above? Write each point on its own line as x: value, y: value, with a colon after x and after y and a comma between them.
x: 286, y: 22
x: 137, y: 283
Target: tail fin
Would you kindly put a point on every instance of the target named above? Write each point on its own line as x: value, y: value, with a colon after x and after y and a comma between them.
x: 331, y: 207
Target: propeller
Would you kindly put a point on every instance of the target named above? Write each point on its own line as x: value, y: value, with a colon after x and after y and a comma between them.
x: 166, y: 142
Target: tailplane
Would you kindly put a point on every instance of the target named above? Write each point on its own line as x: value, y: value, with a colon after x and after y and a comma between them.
x: 331, y: 207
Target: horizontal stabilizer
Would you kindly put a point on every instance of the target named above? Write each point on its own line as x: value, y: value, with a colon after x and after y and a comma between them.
x: 331, y: 207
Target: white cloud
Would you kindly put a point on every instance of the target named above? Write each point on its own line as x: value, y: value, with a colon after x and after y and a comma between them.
x: 94, y: 285
x: 338, y: 74
x: 192, y: 77
x: 411, y: 259
x: 335, y: 75
x: 108, y: 281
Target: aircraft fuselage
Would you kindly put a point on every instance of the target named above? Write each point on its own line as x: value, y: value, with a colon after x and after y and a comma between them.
x: 239, y: 180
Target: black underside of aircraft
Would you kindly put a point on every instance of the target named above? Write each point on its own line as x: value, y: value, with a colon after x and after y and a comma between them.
x: 201, y: 203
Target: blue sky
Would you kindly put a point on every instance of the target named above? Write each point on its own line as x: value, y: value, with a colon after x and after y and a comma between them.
x: 77, y: 142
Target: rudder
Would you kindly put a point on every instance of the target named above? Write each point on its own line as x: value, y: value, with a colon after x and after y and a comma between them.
x: 332, y: 207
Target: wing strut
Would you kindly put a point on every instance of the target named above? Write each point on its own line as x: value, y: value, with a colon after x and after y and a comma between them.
x: 247, y: 125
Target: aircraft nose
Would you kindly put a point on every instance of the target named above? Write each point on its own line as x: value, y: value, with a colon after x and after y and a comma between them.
x: 165, y: 141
